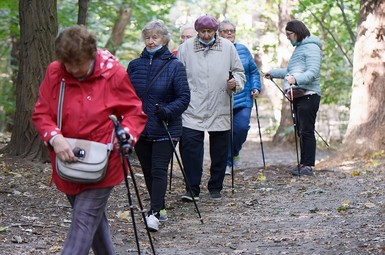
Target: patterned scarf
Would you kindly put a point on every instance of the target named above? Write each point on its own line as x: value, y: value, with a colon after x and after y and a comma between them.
x: 215, y: 45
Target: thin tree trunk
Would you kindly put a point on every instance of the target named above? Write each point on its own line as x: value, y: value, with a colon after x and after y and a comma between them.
x: 286, y: 123
x: 82, y: 14
x: 119, y: 28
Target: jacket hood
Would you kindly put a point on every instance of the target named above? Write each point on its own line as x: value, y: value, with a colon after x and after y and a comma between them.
x: 105, y: 64
x: 312, y: 39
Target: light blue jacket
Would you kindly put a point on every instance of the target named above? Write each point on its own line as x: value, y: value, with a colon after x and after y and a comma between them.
x: 253, y: 79
x: 304, y: 65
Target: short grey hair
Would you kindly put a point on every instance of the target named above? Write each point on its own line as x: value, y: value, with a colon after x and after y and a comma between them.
x: 185, y: 27
x: 225, y: 22
x: 156, y: 27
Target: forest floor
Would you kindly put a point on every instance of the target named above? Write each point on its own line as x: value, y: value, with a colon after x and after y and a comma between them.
x: 340, y: 210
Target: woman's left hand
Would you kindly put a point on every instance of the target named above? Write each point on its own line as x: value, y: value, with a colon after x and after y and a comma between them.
x: 290, y: 79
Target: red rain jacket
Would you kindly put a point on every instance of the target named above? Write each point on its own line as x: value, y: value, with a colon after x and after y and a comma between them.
x: 85, y: 114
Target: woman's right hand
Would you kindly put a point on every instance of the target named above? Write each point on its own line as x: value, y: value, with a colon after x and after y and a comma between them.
x: 63, y: 149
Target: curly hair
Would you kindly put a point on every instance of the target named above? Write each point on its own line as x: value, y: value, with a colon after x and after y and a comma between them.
x: 75, y: 44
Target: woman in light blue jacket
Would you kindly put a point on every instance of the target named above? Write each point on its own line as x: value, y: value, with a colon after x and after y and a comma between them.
x: 303, y: 76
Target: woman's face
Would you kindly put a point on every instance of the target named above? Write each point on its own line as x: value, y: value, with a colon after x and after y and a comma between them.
x: 152, y: 41
x: 228, y: 31
x: 291, y: 36
x: 206, y: 34
x: 78, y: 69
x: 187, y: 34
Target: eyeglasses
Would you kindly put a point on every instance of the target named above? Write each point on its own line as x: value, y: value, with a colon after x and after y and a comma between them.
x: 288, y: 34
x: 226, y: 31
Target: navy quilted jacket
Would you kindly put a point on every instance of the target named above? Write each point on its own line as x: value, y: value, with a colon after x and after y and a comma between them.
x: 170, y: 90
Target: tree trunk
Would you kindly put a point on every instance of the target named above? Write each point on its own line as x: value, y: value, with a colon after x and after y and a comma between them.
x: 365, y: 133
x: 82, y: 14
x: 14, y: 67
x: 285, y: 131
x: 38, y: 28
x: 120, y: 25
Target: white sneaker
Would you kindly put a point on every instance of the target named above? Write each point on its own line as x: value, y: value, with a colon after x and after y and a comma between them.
x: 228, y: 170
x: 152, y: 223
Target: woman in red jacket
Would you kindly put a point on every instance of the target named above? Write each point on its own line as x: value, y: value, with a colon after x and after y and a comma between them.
x: 96, y: 86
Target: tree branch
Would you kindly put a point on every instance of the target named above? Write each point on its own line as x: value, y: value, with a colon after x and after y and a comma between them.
x: 328, y: 30
x: 341, y: 5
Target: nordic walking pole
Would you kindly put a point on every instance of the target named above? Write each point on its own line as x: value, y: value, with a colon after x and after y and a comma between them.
x: 232, y: 135
x: 321, y: 138
x: 125, y: 150
x: 181, y: 168
x: 171, y: 166
x: 295, y: 128
x: 260, y: 135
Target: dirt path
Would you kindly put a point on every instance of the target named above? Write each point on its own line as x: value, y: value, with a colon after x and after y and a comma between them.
x: 339, y: 211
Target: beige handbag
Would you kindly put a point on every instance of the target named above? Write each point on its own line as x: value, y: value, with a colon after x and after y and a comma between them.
x: 92, y: 165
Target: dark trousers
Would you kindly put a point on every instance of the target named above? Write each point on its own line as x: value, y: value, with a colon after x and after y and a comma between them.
x: 305, y: 109
x: 192, y: 150
x: 154, y: 158
x: 89, y: 224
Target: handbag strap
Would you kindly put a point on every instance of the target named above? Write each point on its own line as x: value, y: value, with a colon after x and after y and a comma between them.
x: 110, y: 145
x: 60, y: 103
x: 157, y: 75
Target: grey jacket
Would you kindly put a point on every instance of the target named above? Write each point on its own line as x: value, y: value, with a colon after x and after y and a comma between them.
x: 207, y: 75
x: 304, y: 65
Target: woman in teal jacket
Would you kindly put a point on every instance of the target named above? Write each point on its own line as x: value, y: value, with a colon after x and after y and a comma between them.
x: 303, y: 75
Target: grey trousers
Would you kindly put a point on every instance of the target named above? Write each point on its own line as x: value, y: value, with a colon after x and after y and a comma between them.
x: 89, y: 226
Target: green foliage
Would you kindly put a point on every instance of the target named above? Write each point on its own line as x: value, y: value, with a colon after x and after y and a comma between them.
x: 326, y: 21
x: 102, y: 15
x: 8, y: 31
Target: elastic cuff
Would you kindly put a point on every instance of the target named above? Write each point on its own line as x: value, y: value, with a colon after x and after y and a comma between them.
x: 53, y: 139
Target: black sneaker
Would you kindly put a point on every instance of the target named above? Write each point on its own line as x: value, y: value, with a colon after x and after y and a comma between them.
x: 294, y: 170
x: 215, y: 194
x: 188, y: 198
x: 303, y: 170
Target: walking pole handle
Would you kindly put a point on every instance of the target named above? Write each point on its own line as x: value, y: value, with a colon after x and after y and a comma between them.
x: 231, y: 75
x: 123, y: 138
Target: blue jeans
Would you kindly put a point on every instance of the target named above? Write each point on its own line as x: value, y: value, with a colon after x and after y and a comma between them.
x: 154, y: 158
x: 241, y: 126
x: 305, y: 109
x: 89, y: 225
x: 192, y: 149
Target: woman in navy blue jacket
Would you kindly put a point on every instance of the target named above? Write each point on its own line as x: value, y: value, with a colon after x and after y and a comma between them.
x: 160, y: 81
x: 243, y: 100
